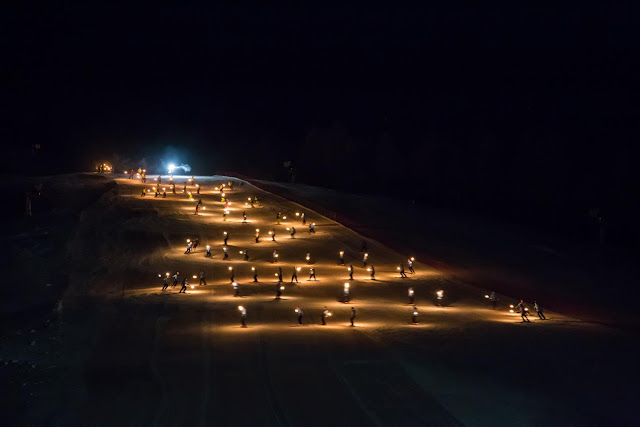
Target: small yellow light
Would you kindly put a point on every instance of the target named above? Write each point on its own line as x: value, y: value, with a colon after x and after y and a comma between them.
x: 194, y: 276
x: 240, y: 308
x: 230, y: 268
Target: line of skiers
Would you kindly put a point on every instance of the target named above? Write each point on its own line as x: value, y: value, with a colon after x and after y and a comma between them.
x: 324, y: 315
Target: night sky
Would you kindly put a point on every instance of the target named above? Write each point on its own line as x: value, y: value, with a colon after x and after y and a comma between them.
x: 524, y: 110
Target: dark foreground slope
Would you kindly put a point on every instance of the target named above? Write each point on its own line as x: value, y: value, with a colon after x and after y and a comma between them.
x: 128, y: 353
x: 36, y: 275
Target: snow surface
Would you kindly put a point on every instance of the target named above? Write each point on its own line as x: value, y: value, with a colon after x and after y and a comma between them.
x: 134, y: 354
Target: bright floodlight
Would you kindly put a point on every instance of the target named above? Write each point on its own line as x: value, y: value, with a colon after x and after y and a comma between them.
x: 171, y: 167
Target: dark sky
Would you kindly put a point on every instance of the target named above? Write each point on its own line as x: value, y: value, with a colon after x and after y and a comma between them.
x: 507, y: 92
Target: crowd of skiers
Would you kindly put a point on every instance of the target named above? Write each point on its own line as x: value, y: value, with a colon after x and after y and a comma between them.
x: 404, y: 269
